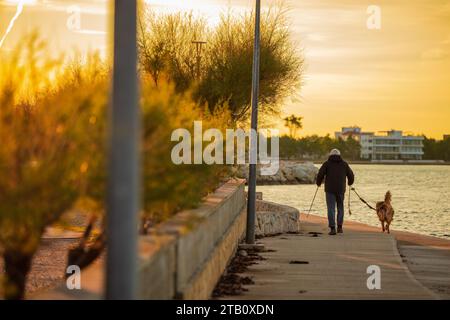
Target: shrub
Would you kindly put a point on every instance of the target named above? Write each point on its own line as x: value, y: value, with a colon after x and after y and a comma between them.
x: 168, y: 188
x: 43, y: 109
x: 225, y: 76
x: 53, y: 118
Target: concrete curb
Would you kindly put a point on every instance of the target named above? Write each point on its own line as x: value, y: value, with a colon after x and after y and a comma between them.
x: 407, y: 271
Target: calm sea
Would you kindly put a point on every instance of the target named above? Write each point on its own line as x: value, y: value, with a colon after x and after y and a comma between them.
x: 421, y: 197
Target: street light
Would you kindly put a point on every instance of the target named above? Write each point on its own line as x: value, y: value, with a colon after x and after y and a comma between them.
x: 251, y: 214
x: 123, y: 160
x: 198, y: 49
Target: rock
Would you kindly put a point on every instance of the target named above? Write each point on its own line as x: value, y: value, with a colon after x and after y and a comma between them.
x: 290, y: 172
x: 273, y: 219
x: 305, y: 173
x: 243, y: 253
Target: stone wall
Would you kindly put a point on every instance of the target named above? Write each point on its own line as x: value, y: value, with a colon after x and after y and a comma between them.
x: 273, y: 218
x: 184, y: 257
x: 203, y: 233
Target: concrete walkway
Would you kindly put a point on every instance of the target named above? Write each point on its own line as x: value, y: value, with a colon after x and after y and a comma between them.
x: 331, y: 267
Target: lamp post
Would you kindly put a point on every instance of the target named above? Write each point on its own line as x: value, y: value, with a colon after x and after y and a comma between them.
x: 198, y: 49
x: 250, y: 234
x: 123, y: 159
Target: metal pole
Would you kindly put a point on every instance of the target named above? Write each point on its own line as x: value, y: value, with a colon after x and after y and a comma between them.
x: 123, y: 182
x: 198, y: 49
x: 250, y: 235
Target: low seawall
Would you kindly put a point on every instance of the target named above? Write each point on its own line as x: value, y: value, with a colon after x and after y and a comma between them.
x: 273, y: 218
x: 289, y: 172
x: 185, y: 256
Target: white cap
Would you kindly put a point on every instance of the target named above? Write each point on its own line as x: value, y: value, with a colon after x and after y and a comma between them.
x: 335, y: 152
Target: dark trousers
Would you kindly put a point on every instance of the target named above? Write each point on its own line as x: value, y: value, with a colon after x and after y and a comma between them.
x: 334, y: 200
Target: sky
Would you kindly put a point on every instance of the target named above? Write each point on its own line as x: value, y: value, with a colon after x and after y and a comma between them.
x: 394, y: 77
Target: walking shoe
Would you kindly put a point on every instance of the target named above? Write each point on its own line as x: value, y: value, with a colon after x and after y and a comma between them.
x: 332, y: 231
x: 339, y: 230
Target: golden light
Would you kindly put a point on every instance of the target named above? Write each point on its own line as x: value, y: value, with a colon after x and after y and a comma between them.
x: 14, y: 2
x: 20, y: 4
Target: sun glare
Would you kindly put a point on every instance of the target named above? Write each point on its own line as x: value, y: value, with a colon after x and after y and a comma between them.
x: 20, y: 4
x: 28, y: 2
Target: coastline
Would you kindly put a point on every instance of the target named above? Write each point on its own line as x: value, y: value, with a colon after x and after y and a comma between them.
x: 398, y: 163
x: 426, y: 257
x: 388, y: 162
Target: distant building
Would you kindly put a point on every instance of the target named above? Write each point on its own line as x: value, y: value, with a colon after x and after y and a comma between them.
x: 392, y: 145
x: 354, y: 132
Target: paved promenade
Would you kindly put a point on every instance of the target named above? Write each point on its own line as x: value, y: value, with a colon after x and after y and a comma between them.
x: 304, y: 266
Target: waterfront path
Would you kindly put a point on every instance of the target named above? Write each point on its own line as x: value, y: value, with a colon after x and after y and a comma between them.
x: 335, y: 267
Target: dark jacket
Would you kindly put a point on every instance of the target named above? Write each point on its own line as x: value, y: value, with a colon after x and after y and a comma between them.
x: 334, y: 170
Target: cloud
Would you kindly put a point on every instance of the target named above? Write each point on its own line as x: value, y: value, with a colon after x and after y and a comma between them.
x: 434, y: 54
x: 439, y: 52
x: 446, y: 8
x: 91, y: 32
x: 446, y: 41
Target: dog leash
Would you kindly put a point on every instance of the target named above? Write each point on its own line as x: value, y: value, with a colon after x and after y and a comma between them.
x: 312, y: 202
x: 349, y: 194
x: 362, y: 200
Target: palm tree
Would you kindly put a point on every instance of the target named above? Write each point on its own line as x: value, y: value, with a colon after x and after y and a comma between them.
x: 294, y: 124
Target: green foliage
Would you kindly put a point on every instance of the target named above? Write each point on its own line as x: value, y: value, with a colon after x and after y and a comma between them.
x: 169, y: 188
x: 436, y: 149
x: 226, y: 60
x: 315, y: 147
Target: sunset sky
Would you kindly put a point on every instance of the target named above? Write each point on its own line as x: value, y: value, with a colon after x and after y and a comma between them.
x: 397, y: 77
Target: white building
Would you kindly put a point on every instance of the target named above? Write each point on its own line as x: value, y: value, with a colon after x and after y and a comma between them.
x: 354, y: 132
x: 392, y: 145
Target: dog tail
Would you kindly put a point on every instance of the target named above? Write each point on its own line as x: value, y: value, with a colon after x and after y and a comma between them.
x: 388, y: 197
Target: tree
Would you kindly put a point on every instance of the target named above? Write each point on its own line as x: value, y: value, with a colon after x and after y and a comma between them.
x: 167, y: 187
x: 226, y: 60
x: 294, y: 124
x: 289, y: 147
x: 166, y: 48
x: 228, y: 77
x: 43, y: 164
x: 315, y: 147
x: 350, y: 148
x: 445, y: 149
x: 430, y: 149
x: 53, y: 120
x: 436, y: 149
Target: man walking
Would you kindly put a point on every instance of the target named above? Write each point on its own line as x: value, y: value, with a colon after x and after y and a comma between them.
x: 335, y: 170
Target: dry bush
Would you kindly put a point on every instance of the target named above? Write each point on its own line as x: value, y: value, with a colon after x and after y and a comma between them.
x: 53, y: 127
x: 44, y: 111
x: 225, y: 76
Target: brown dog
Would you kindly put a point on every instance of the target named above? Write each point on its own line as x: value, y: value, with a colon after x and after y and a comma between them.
x: 385, y: 211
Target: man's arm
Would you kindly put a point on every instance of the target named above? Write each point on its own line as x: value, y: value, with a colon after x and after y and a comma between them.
x: 350, y: 175
x: 321, y: 174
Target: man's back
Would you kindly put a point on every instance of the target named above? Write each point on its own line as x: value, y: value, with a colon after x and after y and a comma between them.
x: 335, y: 171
